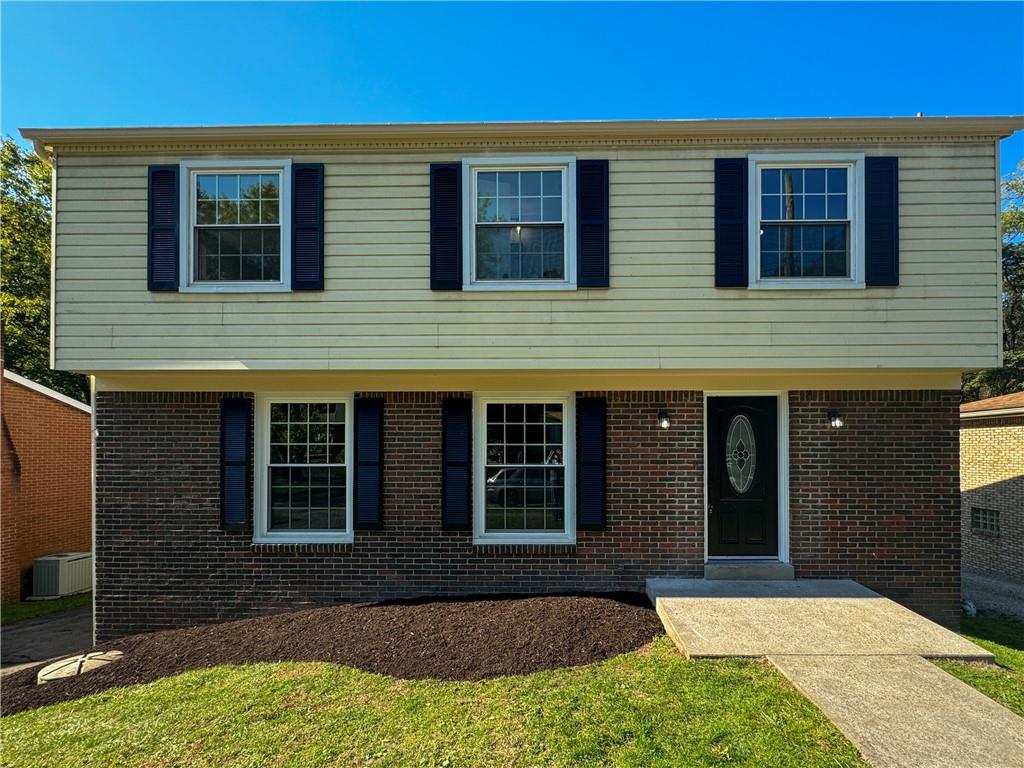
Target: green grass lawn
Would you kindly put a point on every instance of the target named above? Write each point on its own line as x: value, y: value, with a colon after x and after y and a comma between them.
x: 11, y: 613
x: 1005, y: 639
x: 649, y: 708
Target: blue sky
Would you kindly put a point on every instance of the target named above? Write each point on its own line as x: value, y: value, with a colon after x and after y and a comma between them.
x: 86, y: 64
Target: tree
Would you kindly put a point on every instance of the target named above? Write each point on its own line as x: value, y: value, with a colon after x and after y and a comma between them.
x: 1010, y: 378
x: 25, y: 212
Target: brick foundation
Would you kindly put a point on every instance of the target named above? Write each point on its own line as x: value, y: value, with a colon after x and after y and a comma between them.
x: 163, y: 560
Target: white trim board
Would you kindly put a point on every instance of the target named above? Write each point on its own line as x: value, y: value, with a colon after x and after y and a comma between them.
x: 782, y: 399
x: 29, y: 384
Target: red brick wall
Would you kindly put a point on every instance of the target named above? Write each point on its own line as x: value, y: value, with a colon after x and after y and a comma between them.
x: 10, y: 567
x: 46, y: 493
x: 992, y: 477
x: 163, y: 560
x: 878, y: 499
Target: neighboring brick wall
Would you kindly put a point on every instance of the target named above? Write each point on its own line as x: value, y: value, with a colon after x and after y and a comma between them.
x: 877, y: 500
x: 47, y: 496
x: 163, y: 561
x: 992, y: 476
x: 10, y: 567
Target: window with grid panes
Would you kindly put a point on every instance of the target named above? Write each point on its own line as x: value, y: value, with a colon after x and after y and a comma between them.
x: 804, y: 221
x: 524, y: 471
x: 236, y: 227
x: 520, y: 231
x: 306, y: 471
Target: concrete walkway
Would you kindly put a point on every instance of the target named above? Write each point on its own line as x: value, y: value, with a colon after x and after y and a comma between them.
x: 48, y: 637
x: 806, y: 616
x: 858, y: 656
x: 905, y: 711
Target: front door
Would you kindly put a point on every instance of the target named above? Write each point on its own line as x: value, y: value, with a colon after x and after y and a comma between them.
x: 743, y: 476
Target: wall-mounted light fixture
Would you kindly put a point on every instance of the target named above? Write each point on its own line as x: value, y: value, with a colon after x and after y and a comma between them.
x: 663, y: 420
x: 835, y: 419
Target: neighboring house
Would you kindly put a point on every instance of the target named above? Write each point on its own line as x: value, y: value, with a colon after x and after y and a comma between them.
x: 349, y: 362
x: 47, y: 479
x: 992, y: 491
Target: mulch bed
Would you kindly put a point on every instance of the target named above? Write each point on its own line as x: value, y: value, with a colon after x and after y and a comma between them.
x: 449, y: 639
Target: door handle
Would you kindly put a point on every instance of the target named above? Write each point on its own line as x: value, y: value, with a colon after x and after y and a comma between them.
x: 711, y: 509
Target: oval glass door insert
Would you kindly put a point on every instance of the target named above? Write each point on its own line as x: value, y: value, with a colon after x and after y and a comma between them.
x: 740, y: 453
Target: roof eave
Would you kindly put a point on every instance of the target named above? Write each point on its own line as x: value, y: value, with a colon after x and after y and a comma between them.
x: 896, y: 127
x: 993, y: 413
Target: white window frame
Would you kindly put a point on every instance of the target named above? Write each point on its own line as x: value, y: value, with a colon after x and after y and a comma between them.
x: 854, y: 161
x: 262, y: 534
x: 470, y: 167
x: 480, y: 534
x: 187, y: 207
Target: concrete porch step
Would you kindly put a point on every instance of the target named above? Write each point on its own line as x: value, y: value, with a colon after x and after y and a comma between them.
x: 748, y: 570
x: 712, y: 618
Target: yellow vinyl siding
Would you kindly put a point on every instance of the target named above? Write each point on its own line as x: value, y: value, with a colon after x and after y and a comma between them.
x: 662, y: 311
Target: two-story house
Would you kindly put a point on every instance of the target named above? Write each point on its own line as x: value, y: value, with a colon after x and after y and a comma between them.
x: 351, y: 362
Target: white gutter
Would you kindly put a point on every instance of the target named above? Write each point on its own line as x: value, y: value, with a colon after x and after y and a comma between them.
x: 1014, y: 411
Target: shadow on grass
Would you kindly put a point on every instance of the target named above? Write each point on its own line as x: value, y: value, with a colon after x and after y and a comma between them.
x: 995, y: 628
x: 12, y: 613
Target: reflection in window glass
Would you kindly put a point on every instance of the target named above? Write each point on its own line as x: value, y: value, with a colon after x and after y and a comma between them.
x: 804, y: 222
x: 524, y: 469
x: 520, y: 253
x: 306, y: 472
x: 520, y: 231
x: 237, y: 227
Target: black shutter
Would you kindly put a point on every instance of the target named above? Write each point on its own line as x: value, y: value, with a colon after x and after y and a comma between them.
x: 369, y: 464
x: 731, y: 224
x: 592, y: 223
x: 164, y: 215
x: 456, y: 458
x: 882, y: 221
x: 307, y: 227
x: 235, y: 461
x: 446, y: 227
x: 591, y: 436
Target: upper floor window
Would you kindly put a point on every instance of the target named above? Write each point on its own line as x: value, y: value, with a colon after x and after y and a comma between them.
x: 237, y: 232
x: 520, y: 223
x: 806, y: 220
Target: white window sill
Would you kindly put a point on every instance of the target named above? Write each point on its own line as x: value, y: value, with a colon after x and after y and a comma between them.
x: 524, y: 286
x: 806, y: 284
x: 235, y: 288
x: 518, y: 539
x: 299, y: 538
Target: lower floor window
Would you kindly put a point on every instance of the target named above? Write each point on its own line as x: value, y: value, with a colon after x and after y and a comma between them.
x: 304, y: 491
x: 523, y: 470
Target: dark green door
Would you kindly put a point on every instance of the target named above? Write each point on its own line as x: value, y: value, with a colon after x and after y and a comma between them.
x: 743, y: 476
